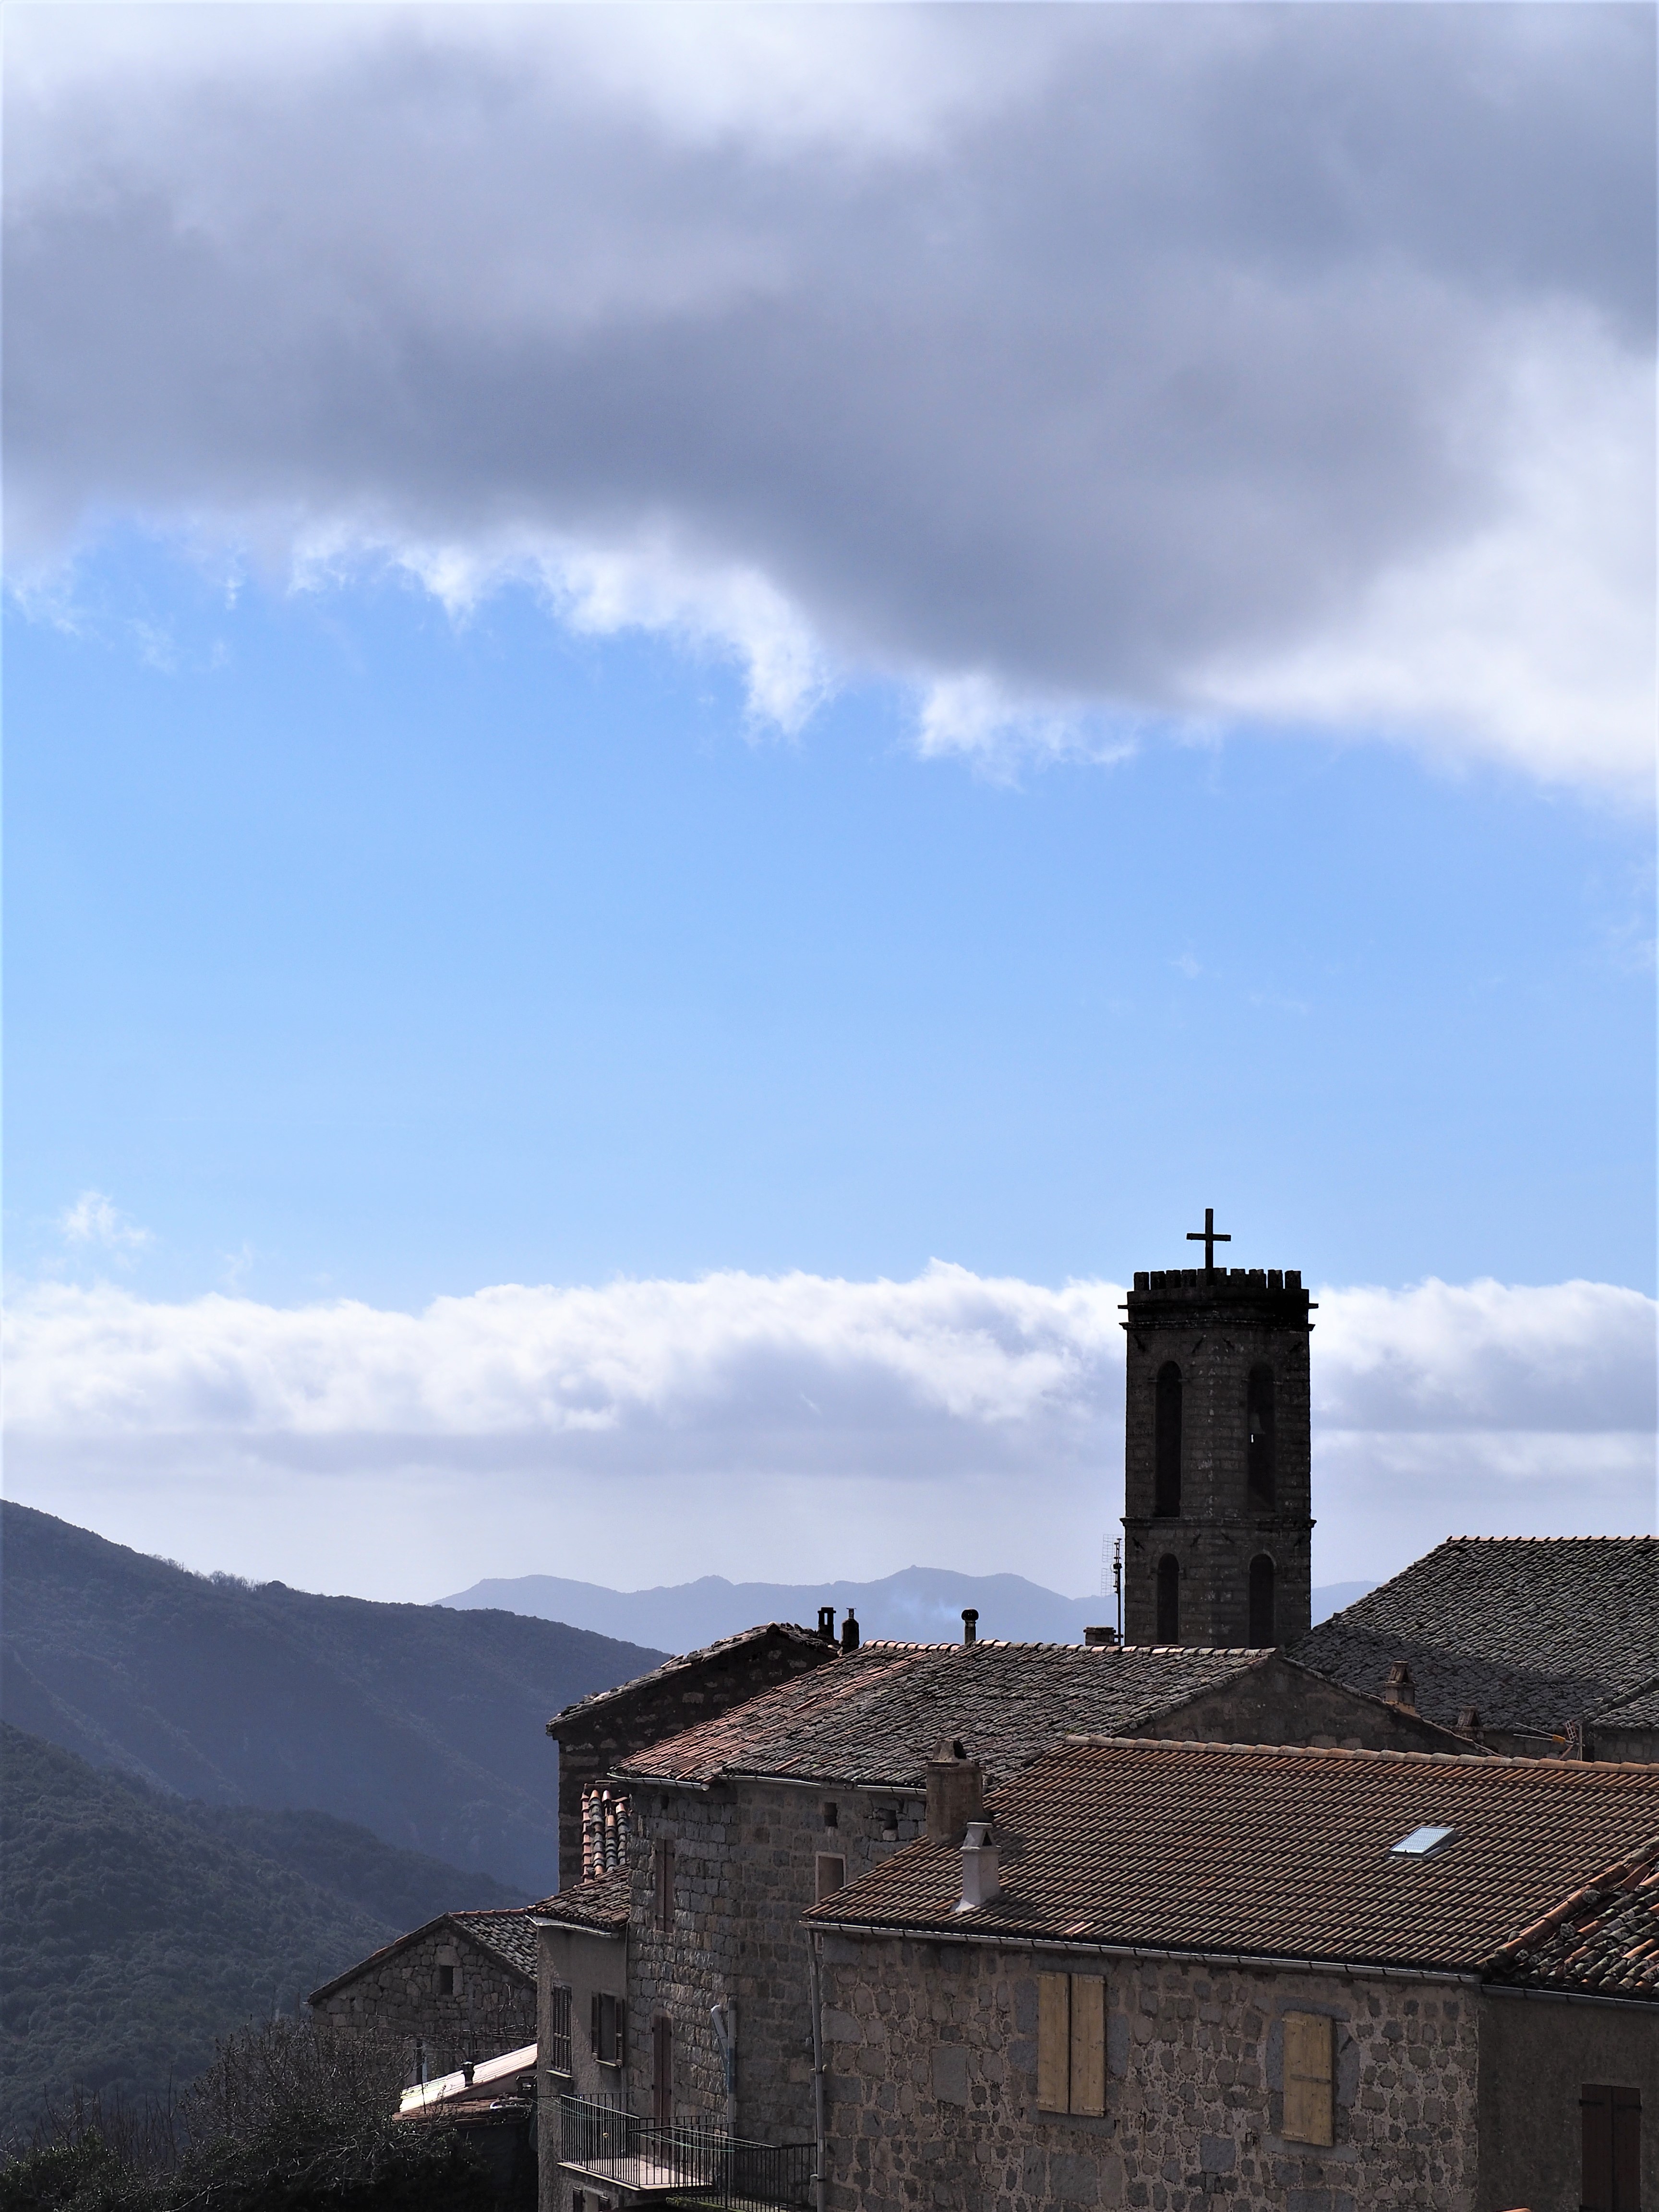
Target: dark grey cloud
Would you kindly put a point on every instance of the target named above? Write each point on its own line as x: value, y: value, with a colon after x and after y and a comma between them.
x: 1147, y: 360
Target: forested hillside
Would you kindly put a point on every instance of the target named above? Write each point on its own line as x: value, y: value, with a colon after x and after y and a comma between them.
x: 135, y: 1928
x: 423, y: 1724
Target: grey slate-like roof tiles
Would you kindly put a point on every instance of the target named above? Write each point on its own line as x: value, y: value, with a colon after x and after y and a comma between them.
x: 1536, y: 1631
x: 686, y: 1663
x: 874, y: 1715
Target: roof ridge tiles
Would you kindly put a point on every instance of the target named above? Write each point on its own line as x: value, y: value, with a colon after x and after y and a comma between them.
x: 1582, y: 1769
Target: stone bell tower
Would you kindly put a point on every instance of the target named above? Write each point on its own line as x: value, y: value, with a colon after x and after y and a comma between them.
x: 1216, y: 1521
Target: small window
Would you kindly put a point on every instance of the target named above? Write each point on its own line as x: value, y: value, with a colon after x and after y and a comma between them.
x: 1168, y: 1600
x: 1309, y: 2101
x: 1166, y: 1442
x: 446, y: 1981
x: 662, y: 2070
x: 829, y: 1876
x: 663, y: 1871
x: 558, y: 2033
x: 1422, y: 1842
x: 1261, y: 1602
x: 1613, y: 2149
x: 1070, y: 2043
x: 831, y: 1816
x: 1262, y: 1473
x: 610, y: 2029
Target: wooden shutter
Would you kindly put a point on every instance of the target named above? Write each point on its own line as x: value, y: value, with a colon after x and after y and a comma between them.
x: 1308, y: 2086
x: 662, y: 2070
x: 1088, y: 2043
x: 621, y: 2031
x: 1626, y: 2150
x: 665, y: 1882
x: 1053, y: 2041
x: 1613, y: 2149
x: 595, y: 2021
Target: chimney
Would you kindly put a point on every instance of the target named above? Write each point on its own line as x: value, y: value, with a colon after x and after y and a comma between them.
x: 955, y: 1792
x: 970, y: 1624
x: 982, y: 1882
x: 1399, y: 1689
x: 849, y: 1632
x: 827, y: 1623
x: 1468, y: 1721
x: 1099, y: 1636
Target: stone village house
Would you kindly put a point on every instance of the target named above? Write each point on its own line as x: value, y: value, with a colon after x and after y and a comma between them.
x: 1328, y: 1981
x: 737, y: 1825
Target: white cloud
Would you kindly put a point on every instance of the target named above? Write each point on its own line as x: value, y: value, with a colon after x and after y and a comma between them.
x: 95, y: 1219
x: 652, y: 1431
x: 1087, y: 371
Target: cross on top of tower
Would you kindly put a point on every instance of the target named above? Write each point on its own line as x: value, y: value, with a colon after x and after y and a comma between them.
x: 1209, y: 1236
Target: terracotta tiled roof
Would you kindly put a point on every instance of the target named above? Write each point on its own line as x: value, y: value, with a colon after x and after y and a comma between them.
x: 782, y: 1630
x: 873, y: 1716
x: 1605, y: 1938
x: 1285, y: 1853
x: 600, y: 1904
x: 508, y: 1935
x: 1536, y: 1632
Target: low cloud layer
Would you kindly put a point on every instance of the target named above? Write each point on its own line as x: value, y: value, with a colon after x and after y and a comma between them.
x: 1080, y: 368
x: 786, y: 1426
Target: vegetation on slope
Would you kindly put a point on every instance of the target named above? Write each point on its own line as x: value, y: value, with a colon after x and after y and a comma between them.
x: 132, y: 1935
x: 423, y: 1724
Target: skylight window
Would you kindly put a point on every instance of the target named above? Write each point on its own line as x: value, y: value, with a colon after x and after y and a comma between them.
x: 1422, y: 1842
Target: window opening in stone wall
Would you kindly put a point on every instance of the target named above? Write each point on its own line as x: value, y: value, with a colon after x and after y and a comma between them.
x: 1261, y: 1602
x: 663, y: 1874
x: 1168, y: 1600
x: 1261, y: 1470
x: 1613, y: 2149
x: 1166, y: 1444
x: 1070, y: 2043
x: 446, y: 1981
x: 1309, y: 2092
x: 558, y: 2033
x: 610, y: 2029
x: 662, y: 2070
x: 831, y: 1816
x: 829, y: 1876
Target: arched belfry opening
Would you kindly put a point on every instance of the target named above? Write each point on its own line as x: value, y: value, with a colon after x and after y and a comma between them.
x: 1261, y: 1463
x: 1168, y: 1600
x: 1262, y: 1621
x: 1218, y: 1520
x: 1166, y: 1448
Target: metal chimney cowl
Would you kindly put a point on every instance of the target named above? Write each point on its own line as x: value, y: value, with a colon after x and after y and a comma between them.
x: 982, y: 1875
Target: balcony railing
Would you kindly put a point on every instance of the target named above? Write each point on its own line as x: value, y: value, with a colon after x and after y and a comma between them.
x: 703, y: 2164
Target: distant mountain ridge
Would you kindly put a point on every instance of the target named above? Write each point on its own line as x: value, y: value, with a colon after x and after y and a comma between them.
x: 424, y: 1725
x: 921, y: 1605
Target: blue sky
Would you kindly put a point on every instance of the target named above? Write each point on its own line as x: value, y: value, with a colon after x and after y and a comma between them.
x: 708, y: 711
x: 359, y: 951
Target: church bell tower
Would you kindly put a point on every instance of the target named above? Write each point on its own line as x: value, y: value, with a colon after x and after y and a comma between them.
x: 1217, y: 1504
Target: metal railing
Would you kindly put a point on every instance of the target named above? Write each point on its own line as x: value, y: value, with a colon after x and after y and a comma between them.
x: 681, y: 2161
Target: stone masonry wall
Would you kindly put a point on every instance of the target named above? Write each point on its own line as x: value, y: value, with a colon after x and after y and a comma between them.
x: 933, y: 2088
x: 591, y: 1746
x: 744, y: 1871
x: 1216, y: 1329
x: 492, y: 2009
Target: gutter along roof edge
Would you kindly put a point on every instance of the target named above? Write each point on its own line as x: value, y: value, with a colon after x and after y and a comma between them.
x: 1375, y: 1970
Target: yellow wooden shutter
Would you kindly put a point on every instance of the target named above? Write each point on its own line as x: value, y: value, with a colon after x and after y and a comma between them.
x: 1308, y: 2091
x: 1053, y: 2041
x: 1088, y: 2043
